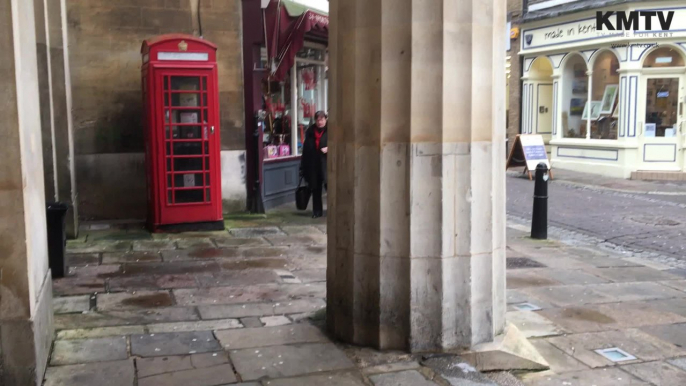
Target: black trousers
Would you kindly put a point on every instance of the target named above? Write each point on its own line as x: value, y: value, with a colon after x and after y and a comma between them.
x: 317, y: 190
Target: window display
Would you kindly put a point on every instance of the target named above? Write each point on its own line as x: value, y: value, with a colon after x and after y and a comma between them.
x: 662, y: 98
x: 575, y: 97
x: 604, y: 92
x: 287, y: 121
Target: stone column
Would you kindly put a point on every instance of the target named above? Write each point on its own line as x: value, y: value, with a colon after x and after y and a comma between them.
x: 416, y: 198
x: 25, y: 287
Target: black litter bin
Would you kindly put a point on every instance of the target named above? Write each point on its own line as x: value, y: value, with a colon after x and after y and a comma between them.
x: 57, y: 237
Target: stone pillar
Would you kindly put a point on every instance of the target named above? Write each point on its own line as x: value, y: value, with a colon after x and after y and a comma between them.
x: 416, y: 199
x: 55, y: 97
x: 25, y: 286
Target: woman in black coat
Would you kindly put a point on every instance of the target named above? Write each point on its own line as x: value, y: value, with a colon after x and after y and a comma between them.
x: 313, y: 162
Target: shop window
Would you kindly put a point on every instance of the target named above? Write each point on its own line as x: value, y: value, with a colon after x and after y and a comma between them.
x: 293, y: 103
x: 662, y: 98
x: 574, y: 97
x: 603, y: 110
x: 664, y: 57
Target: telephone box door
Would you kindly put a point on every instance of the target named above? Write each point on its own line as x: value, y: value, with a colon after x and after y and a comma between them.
x: 188, y: 143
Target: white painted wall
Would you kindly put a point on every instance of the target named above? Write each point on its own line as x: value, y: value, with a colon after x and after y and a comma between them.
x: 234, y: 194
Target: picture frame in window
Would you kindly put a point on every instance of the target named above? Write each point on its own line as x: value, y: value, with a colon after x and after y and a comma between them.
x: 594, y: 107
x: 609, y: 97
x: 576, y: 106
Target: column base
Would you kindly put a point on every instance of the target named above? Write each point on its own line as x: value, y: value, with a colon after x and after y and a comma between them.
x: 25, y: 344
x: 509, y: 351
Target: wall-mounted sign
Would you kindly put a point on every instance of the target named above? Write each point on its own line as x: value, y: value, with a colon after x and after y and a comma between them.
x: 184, y: 56
x: 514, y: 33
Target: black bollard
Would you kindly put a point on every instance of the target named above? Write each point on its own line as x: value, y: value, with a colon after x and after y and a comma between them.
x: 539, y: 222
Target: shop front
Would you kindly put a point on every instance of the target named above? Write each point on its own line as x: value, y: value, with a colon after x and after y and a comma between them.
x: 607, y: 102
x: 293, y: 85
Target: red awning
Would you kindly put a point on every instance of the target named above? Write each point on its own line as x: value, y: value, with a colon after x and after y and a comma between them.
x: 286, y: 26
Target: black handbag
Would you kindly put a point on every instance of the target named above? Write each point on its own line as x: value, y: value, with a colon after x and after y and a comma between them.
x: 302, y: 196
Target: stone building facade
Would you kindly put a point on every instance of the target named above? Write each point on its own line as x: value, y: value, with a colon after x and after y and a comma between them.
x: 105, y: 39
x: 514, y: 13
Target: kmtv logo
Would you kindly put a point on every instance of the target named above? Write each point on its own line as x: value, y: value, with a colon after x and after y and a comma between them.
x: 629, y: 21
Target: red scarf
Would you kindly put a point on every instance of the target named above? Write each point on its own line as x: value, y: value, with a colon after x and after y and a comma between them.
x: 317, y: 136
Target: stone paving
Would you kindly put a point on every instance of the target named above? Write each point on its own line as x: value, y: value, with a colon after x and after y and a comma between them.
x: 246, y: 307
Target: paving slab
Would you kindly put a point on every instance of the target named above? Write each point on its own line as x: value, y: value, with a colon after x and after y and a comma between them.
x: 633, y: 274
x: 69, y: 352
x: 611, y: 316
x: 261, y: 309
x: 179, y: 268
x: 264, y: 251
x: 136, y: 300
x: 300, y: 230
x: 637, y: 343
x: 255, y: 263
x: 130, y: 257
x: 251, y: 322
x: 675, y: 306
x: 403, y: 378
x: 233, y: 242
x: 457, y: 372
x: 527, y: 278
x: 274, y: 321
x: 65, y: 305
x: 322, y: 228
x: 292, y: 240
x: 532, y: 324
x: 288, y: 361
x: 91, y: 271
x: 210, y: 376
x: 82, y: 259
x: 311, y: 275
x: 676, y: 284
x: 99, y: 332
x: 569, y: 295
x: 257, y: 293
x: 154, y: 245
x: 391, y: 367
x: 607, y: 262
x: 659, y: 373
x: 202, y: 325
x: 558, y: 360
x: 270, y: 336
x: 347, y: 378
x: 152, y: 282
x: 152, y: 345
x: 195, y: 243
x: 627, y: 292
x: 599, y: 377
x: 678, y: 362
x: 124, y: 318
x: 573, y: 276
x: 71, y: 285
x: 99, y: 247
x: 238, y: 278
x: 256, y: 232
x: 116, y: 373
x: 147, y: 367
x: 671, y: 333
x: 199, y: 254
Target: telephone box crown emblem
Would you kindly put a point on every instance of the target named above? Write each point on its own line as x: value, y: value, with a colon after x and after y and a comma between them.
x: 183, y: 46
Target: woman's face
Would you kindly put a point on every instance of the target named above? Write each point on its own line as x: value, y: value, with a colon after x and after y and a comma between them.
x: 321, y: 122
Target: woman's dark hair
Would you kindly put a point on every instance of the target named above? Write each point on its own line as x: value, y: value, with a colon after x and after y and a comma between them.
x: 320, y: 114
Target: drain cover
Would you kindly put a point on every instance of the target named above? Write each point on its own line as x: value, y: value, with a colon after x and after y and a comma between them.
x: 615, y: 354
x: 656, y: 221
x: 523, y: 262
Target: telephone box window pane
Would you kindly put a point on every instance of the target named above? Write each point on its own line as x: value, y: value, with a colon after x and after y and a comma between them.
x: 208, y: 197
x: 169, y: 197
x: 186, y: 116
x: 166, y: 99
x: 207, y: 179
x: 169, y: 180
x: 183, y: 164
x: 204, y: 100
x: 186, y: 132
x: 189, y: 180
x: 207, y: 163
x: 166, y: 83
x: 166, y: 116
x: 169, y: 165
x: 166, y: 132
x: 207, y: 148
x: 187, y: 148
x: 185, y: 83
x: 169, y: 149
x: 204, y: 115
x: 186, y: 100
x: 204, y: 83
x: 186, y: 196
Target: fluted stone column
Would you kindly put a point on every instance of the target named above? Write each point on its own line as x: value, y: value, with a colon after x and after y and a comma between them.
x: 416, y: 199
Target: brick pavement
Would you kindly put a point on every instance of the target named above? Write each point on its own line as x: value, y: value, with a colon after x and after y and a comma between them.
x: 246, y: 307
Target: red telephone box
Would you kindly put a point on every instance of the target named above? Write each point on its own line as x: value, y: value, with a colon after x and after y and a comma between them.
x: 180, y: 93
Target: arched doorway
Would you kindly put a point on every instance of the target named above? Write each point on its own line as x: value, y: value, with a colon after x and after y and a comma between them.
x: 661, y: 109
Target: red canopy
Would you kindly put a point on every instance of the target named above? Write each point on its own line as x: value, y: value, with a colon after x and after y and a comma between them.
x: 286, y: 25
